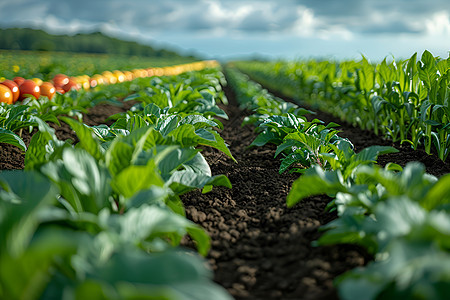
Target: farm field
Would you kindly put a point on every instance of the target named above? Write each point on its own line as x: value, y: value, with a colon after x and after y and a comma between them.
x: 45, y: 65
x: 257, y: 244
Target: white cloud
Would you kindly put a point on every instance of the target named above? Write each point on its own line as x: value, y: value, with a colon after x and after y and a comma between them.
x: 231, y: 24
x: 309, y: 25
x: 439, y: 24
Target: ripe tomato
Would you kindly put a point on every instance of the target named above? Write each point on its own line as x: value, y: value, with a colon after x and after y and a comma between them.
x: 5, y: 94
x: 14, y: 89
x: 71, y: 85
x: 60, y: 80
x: 48, y: 90
x: 29, y: 87
x: 18, y: 80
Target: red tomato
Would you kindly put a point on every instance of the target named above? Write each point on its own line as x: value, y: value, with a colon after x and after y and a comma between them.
x: 5, y: 94
x: 29, y: 87
x: 14, y: 89
x: 18, y: 80
x: 48, y: 90
x: 71, y: 85
x: 60, y: 80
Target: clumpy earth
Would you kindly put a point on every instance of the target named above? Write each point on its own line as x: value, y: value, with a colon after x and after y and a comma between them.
x: 260, y: 248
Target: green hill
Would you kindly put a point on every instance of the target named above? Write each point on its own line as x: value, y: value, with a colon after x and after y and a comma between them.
x: 97, y: 42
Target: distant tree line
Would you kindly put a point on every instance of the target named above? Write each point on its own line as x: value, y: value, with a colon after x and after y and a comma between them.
x: 39, y: 40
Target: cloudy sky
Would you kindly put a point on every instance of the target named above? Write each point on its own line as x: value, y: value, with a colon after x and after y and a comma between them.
x: 231, y: 28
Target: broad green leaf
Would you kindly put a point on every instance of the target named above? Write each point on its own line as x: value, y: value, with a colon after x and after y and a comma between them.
x: 41, y: 146
x: 151, y: 196
x: 348, y: 229
x: 185, y: 135
x: 27, y: 275
x: 9, y: 137
x: 183, y: 274
x: 266, y: 137
x: 366, y: 76
x: 86, y: 137
x: 293, y: 158
x: 22, y: 194
x: 291, y: 145
x: 377, y: 104
x: 126, y: 150
x: 410, y: 270
x: 438, y: 195
x: 82, y: 181
x: 175, y: 159
x: 167, y: 125
x: 315, y: 181
x: 118, y: 156
x: 198, y: 121
x: 148, y: 222
x: 186, y: 180
x: 371, y: 153
x: 152, y: 109
x: 14, y: 114
x: 198, y: 164
x: 428, y: 71
x: 136, y: 122
x: 133, y: 179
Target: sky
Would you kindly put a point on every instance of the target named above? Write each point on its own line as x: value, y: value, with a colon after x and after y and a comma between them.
x: 231, y: 29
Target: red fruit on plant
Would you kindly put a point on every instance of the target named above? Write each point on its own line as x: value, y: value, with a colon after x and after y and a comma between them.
x: 71, y: 85
x: 60, y: 80
x: 5, y: 94
x: 48, y: 90
x: 18, y: 80
x: 14, y: 89
x: 27, y: 88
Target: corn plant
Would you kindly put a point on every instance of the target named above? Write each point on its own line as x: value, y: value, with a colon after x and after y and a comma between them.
x: 405, y: 100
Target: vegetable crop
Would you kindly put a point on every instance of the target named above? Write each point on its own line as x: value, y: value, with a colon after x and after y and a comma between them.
x: 405, y: 100
x: 400, y: 215
x: 102, y: 219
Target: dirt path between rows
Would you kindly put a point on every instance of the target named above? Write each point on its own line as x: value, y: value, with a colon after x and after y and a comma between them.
x: 260, y: 248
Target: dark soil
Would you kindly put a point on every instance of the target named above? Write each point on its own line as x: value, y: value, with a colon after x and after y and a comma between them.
x: 260, y: 248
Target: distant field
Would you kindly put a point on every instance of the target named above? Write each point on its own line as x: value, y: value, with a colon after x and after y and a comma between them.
x: 45, y: 65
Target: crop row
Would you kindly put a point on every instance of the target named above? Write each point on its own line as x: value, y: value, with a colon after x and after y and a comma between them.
x: 400, y: 216
x: 102, y: 219
x: 45, y: 65
x: 19, y: 88
x: 406, y: 100
x: 46, y: 100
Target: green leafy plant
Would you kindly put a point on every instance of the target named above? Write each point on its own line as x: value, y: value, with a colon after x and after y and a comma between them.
x: 45, y: 253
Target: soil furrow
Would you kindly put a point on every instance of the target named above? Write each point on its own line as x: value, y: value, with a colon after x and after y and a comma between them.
x: 260, y: 248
